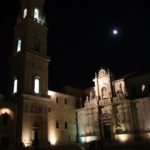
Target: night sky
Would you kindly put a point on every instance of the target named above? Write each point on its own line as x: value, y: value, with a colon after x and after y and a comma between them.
x: 80, y: 40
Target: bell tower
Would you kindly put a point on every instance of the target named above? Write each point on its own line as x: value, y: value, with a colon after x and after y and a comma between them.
x: 29, y: 74
x: 29, y: 61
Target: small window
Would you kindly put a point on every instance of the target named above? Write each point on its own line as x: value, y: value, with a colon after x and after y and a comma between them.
x: 57, y: 124
x: 19, y: 45
x: 36, y: 13
x: 36, y: 85
x: 65, y: 101
x: 143, y: 88
x: 49, y: 109
x: 15, y: 86
x: 57, y: 100
x: 25, y: 13
x: 66, y: 125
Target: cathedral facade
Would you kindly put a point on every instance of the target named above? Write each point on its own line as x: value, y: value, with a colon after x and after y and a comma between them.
x: 31, y: 115
x: 114, y: 111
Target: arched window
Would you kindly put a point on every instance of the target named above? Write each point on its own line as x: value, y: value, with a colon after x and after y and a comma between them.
x: 25, y: 12
x: 65, y: 101
x: 37, y: 85
x: 19, y: 45
x: 66, y: 125
x: 57, y: 100
x: 15, y: 85
x: 120, y: 86
x: 104, y: 93
x: 143, y: 88
x: 36, y: 13
x: 57, y: 124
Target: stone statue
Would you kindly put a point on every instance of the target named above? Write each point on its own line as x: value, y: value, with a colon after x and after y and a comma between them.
x: 87, y: 98
x: 91, y: 95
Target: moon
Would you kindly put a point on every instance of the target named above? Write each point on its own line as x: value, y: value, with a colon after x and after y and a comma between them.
x: 115, y: 31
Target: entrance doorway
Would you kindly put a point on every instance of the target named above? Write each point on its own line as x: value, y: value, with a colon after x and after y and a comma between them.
x: 36, y: 139
x: 36, y: 136
x: 107, y: 131
x: 35, y: 129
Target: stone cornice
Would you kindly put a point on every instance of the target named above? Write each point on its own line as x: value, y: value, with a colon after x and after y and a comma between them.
x: 34, y: 97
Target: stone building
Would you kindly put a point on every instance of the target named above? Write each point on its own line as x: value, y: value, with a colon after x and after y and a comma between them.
x: 29, y: 116
x: 118, y: 110
x: 33, y: 116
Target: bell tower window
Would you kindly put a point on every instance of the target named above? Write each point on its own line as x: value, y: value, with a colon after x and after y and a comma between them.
x: 15, y: 85
x: 19, y: 45
x: 25, y: 13
x: 36, y: 13
x: 36, y: 85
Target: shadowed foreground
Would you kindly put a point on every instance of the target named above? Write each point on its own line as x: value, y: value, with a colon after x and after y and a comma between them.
x: 107, y: 145
x: 140, y: 145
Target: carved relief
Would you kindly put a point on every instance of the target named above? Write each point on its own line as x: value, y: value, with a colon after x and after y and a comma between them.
x: 102, y: 73
x: 106, y: 116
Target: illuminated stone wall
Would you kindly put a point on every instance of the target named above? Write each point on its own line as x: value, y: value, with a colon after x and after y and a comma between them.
x: 7, y: 127
x: 142, y: 111
x: 125, y: 118
x: 87, y: 124
x: 119, y: 86
x: 62, y: 111
x: 35, y: 115
x: 102, y: 84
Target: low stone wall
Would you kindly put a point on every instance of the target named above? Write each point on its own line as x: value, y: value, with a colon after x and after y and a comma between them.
x: 86, y: 139
x: 124, y: 137
x: 132, y: 137
x: 145, y: 136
